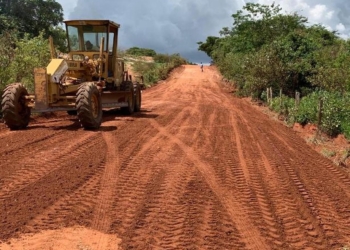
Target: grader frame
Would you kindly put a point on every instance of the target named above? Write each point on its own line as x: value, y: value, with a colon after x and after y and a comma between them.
x: 90, y: 77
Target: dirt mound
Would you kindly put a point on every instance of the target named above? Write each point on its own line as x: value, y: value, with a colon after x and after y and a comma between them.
x: 76, y: 238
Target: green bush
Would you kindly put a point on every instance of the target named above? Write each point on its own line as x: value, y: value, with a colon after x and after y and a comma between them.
x: 335, y: 112
x: 345, y: 118
x: 345, y: 127
x: 282, y: 106
x: 135, y: 51
x: 306, y: 111
x: 161, y: 58
x: 8, y: 42
x: 28, y: 53
x: 153, y: 72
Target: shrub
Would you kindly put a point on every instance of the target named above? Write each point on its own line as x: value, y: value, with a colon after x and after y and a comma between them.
x: 306, y: 111
x: 8, y: 42
x: 135, y: 51
x: 282, y: 106
x: 153, y: 72
x: 29, y: 54
x: 345, y: 127
x: 345, y: 118
x: 161, y: 58
x: 333, y: 113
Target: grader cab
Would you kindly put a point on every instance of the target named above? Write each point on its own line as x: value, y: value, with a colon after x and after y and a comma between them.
x: 90, y: 77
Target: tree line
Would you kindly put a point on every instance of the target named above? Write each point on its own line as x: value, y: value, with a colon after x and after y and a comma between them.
x: 266, y: 48
x: 25, y: 26
x: 31, y: 18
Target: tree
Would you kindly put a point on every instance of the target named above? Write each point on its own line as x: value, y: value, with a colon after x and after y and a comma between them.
x: 30, y: 53
x: 7, y: 53
x: 59, y: 37
x: 209, y: 45
x: 332, y: 70
x: 260, y: 26
x: 278, y: 49
x: 30, y: 16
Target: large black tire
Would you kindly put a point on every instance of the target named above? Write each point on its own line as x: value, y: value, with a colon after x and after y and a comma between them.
x: 131, y: 106
x: 128, y: 86
x: 72, y: 112
x: 89, y: 106
x: 16, y: 113
x: 138, y: 98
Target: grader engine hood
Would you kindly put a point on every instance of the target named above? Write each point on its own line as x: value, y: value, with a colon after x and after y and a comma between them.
x: 56, y: 69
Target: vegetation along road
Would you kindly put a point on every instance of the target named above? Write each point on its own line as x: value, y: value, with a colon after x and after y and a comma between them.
x: 196, y: 169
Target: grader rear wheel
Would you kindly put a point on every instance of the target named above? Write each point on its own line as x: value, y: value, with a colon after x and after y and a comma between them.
x: 16, y: 113
x: 129, y: 86
x: 89, y: 106
x: 131, y: 106
x: 137, y: 99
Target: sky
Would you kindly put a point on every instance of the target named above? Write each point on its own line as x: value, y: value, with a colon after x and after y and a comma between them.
x: 176, y: 26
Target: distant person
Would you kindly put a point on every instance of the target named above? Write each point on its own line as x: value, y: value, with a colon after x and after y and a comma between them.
x: 202, y: 67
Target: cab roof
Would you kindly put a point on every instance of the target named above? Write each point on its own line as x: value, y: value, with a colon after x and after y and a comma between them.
x: 92, y: 22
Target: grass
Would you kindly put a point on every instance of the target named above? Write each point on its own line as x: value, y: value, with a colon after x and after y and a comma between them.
x: 328, y: 153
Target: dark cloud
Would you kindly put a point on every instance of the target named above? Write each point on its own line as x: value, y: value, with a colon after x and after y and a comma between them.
x: 165, y: 26
x: 343, y: 14
x: 176, y: 26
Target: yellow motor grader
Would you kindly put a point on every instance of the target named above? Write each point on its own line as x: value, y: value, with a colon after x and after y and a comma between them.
x: 90, y: 77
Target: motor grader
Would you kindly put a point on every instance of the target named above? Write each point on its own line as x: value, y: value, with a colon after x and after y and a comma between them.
x: 90, y: 77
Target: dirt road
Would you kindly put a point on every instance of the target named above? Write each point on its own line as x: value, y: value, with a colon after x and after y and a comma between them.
x: 196, y: 169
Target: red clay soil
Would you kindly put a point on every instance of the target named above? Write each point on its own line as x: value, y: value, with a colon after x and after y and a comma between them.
x: 196, y: 169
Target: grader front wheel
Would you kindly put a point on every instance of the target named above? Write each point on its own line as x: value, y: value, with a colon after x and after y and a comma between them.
x: 16, y: 113
x: 89, y: 106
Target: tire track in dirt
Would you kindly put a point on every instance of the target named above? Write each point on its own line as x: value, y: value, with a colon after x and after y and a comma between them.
x: 82, y: 203
x: 324, y: 197
x: 139, y: 218
x: 76, y: 205
x: 251, y: 189
x: 102, y: 213
x: 61, y: 175
x: 161, y: 193
x: 182, y: 122
x: 108, y: 183
x: 130, y: 182
x: 23, y: 145
x: 310, y: 217
x: 251, y: 237
x: 195, y: 169
x: 230, y: 170
x: 17, y: 141
x: 311, y: 232
x: 41, y: 160
x: 293, y: 235
x: 37, y: 131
